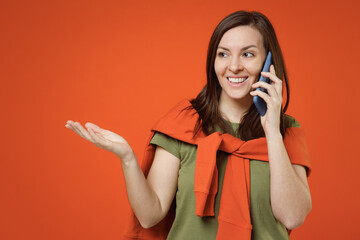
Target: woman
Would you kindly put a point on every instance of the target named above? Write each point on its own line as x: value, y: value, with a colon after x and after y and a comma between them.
x: 220, y: 201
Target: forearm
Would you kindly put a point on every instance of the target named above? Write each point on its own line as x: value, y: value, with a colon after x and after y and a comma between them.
x: 290, y: 197
x: 142, y: 198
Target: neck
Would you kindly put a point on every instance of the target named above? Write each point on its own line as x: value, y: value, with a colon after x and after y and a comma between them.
x: 234, y: 109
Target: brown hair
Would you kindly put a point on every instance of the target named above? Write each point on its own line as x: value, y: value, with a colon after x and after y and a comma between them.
x: 207, y: 101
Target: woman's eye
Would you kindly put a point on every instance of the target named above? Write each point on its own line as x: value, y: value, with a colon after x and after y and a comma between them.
x: 222, y: 54
x: 248, y: 54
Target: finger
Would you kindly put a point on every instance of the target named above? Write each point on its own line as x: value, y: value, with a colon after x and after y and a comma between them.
x: 272, y: 77
x: 272, y: 69
x: 275, y: 81
x: 74, y: 128
x: 273, y: 89
x: 84, y: 133
x: 279, y: 88
x: 100, y: 136
x: 271, y: 101
x: 100, y: 132
x: 263, y: 95
x: 279, y: 82
x: 68, y: 125
x: 97, y: 134
x: 270, y: 88
x: 78, y: 129
x: 96, y: 139
x: 94, y: 127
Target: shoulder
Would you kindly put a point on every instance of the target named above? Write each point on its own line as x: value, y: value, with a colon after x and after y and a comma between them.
x: 168, y: 143
x: 180, y: 112
x: 290, y: 121
x: 179, y: 122
x: 161, y: 137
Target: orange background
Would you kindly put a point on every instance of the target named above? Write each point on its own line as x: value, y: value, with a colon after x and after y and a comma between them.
x: 123, y: 64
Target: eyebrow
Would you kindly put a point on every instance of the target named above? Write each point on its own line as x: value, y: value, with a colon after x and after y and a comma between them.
x: 244, y: 48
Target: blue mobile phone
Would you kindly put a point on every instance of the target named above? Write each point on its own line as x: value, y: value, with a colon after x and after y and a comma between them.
x: 258, y: 101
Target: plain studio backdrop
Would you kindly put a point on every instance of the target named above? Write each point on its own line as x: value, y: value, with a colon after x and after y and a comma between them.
x: 122, y: 65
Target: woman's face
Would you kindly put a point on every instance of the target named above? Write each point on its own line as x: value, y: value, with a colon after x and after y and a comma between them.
x: 238, y: 63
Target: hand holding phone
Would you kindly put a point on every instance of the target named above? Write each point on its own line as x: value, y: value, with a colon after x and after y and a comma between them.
x: 258, y: 101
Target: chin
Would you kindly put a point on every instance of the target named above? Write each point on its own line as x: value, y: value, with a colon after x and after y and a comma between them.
x: 239, y: 97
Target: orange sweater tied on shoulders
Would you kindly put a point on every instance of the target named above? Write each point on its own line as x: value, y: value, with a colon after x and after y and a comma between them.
x: 234, y: 213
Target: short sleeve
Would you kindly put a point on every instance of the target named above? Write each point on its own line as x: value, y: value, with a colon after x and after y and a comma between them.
x: 168, y: 143
x: 290, y: 121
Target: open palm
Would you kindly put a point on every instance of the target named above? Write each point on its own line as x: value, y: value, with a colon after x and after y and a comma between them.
x: 102, y: 138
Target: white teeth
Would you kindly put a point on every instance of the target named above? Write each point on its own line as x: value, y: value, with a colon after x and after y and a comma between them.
x: 236, y: 80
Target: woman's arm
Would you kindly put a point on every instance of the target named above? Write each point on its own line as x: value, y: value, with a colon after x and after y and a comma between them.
x: 289, y: 190
x: 149, y: 198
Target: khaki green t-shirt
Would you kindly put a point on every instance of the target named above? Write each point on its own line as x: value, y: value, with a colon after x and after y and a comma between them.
x: 189, y: 226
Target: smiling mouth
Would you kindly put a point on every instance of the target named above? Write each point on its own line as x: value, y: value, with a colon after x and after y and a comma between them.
x: 236, y: 80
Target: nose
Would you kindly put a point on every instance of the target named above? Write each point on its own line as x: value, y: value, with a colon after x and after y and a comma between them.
x: 235, y: 65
